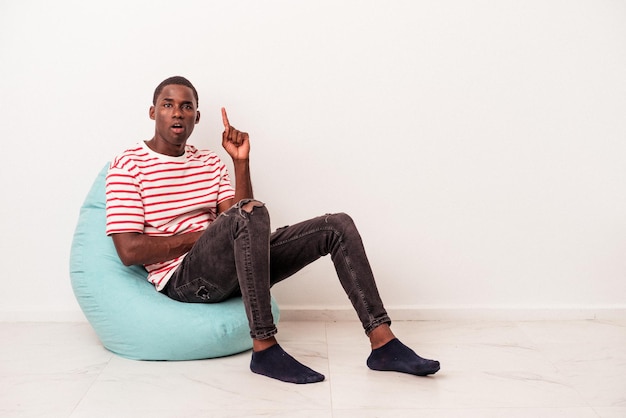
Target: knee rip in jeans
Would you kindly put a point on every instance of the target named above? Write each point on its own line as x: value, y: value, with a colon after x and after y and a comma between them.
x: 250, y: 205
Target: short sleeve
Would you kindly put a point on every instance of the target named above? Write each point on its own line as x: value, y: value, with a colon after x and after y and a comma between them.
x: 124, y: 205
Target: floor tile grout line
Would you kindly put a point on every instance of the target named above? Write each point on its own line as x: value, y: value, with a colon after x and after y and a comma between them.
x: 330, y: 381
x: 93, y: 382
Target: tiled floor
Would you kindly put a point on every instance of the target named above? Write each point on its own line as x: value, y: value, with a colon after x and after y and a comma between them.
x: 573, y: 369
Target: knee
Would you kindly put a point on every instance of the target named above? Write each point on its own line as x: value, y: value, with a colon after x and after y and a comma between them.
x: 340, y: 221
x: 248, y: 206
x: 253, y: 209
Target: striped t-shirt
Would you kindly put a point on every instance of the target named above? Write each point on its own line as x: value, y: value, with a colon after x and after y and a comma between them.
x: 160, y: 195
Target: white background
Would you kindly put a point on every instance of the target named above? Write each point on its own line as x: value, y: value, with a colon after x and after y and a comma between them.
x: 479, y: 145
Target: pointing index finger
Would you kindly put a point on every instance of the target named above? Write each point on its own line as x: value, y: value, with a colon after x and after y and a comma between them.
x: 225, y: 119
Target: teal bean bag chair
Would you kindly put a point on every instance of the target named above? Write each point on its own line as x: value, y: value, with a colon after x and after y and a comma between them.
x: 129, y: 316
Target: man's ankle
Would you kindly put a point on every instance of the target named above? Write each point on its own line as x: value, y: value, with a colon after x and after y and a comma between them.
x: 380, y: 336
x: 260, y: 345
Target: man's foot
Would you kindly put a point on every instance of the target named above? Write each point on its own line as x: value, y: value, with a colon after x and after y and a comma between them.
x: 397, y: 357
x: 274, y: 362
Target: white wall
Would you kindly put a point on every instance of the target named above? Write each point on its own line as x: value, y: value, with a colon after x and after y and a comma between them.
x: 479, y: 145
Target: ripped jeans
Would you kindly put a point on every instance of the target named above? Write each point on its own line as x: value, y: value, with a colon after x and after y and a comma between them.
x: 238, y: 255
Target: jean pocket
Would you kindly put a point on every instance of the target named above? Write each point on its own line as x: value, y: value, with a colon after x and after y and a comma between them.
x: 199, y: 291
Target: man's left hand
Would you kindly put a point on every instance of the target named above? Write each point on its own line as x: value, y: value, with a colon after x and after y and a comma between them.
x: 236, y: 143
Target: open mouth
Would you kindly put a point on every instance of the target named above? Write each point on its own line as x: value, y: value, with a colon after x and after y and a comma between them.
x: 177, y: 127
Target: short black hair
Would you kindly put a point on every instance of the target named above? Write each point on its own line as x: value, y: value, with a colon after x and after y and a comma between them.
x: 182, y: 81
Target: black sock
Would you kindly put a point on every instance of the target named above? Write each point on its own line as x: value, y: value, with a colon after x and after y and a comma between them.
x: 274, y: 362
x: 395, y: 356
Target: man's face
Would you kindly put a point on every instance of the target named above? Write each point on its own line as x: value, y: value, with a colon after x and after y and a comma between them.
x: 175, y: 114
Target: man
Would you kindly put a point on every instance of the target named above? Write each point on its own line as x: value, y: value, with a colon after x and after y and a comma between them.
x: 171, y: 208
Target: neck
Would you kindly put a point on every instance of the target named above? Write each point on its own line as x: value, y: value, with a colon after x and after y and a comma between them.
x: 166, y: 148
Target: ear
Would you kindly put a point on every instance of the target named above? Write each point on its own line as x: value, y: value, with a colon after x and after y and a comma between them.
x: 197, y: 116
x: 151, y: 112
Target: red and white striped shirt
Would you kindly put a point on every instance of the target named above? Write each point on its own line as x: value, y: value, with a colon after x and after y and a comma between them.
x: 160, y: 195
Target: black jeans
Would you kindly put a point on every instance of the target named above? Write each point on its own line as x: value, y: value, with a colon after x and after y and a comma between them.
x: 238, y: 255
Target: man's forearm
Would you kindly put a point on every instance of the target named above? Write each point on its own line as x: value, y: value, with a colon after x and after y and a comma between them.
x: 141, y: 249
x: 243, y: 183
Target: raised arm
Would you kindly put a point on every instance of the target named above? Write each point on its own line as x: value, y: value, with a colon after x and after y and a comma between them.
x: 237, y: 145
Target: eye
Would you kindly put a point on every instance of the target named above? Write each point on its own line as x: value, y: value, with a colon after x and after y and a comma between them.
x: 167, y: 105
x: 188, y: 107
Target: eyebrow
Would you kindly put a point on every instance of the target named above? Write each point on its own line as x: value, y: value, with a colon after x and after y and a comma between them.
x: 167, y: 99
